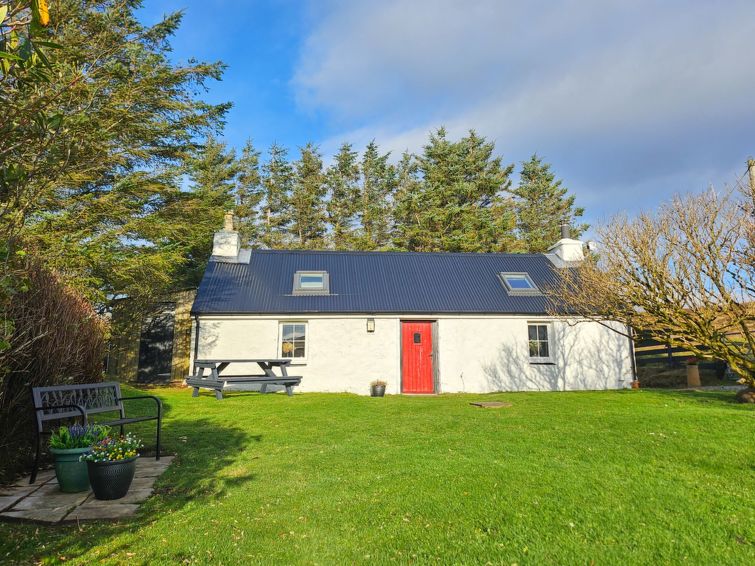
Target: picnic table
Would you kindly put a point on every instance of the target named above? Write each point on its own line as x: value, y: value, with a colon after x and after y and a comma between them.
x: 216, y: 380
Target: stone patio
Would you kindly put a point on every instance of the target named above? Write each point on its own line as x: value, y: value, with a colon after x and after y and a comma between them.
x: 44, y: 502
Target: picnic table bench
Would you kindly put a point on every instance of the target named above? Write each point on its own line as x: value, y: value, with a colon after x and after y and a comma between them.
x: 61, y: 402
x: 216, y: 380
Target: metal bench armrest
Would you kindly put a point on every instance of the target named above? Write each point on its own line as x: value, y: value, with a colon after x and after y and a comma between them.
x: 155, y: 399
x: 79, y: 408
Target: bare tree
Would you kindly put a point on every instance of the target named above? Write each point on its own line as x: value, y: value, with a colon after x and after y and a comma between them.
x: 684, y: 275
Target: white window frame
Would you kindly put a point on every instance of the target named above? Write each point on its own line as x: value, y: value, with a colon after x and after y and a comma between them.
x: 299, y: 290
x: 551, y: 345
x: 281, y: 324
x: 533, y: 290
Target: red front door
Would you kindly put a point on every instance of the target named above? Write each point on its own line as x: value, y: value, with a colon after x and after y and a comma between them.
x: 417, y: 357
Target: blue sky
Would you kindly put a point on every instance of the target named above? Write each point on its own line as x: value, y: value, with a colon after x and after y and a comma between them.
x: 630, y: 101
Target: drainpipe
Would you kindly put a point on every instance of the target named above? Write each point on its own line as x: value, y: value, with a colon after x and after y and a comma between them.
x: 631, y: 351
x: 196, y: 341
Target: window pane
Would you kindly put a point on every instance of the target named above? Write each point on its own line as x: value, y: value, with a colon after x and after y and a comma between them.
x: 518, y: 282
x: 312, y: 281
x: 533, y: 349
x: 287, y: 349
x: 542, y: 332
x: 532, y: 331
x: 543, y: 349
x: 293, y: 339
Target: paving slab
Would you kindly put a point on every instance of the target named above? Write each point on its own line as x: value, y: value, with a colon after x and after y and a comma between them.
x: 42, y: 477
x: 8, y: 501
x: 60, y: 499
x: 44, y: 502
x: 133, y: 496
x: 112, y: 511
x: 53, y: 515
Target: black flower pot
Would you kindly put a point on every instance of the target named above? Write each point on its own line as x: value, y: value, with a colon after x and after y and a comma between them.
x: 111, y: 480
x: 377, y: 390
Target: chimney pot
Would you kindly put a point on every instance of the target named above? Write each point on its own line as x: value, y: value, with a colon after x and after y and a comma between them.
x: 227, y: 242
x: 564, y: 230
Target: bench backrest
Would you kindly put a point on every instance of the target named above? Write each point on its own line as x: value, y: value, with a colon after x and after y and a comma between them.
x: 94, y: 397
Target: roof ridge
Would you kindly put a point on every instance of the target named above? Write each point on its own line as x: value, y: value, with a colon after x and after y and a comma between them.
x: 393, y: 252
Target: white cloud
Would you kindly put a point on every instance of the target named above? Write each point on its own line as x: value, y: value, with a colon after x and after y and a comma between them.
x: 620, y: 95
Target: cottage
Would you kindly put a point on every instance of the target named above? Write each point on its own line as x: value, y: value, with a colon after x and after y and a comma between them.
x: 423, y: 322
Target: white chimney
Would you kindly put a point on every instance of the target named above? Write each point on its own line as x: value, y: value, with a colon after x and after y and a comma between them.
x: 566, y: 251
x: 227, y: 243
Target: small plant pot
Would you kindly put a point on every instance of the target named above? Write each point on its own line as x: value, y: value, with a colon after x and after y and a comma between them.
x: 111, y: 480
x: 377, y: 390
x: 635, y: 384
x: 693, y: 375
x: 70, y: 471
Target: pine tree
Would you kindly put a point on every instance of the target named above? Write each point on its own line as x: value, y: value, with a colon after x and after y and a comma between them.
x: 307, y: 200
x: 91, y: 149
x: 248, y: 194
x: 212, y: 172
x: 375, y: 199
x: 457, y: 199
x: 277, y: 184
x: 342, y: 183
x: 542, y: 204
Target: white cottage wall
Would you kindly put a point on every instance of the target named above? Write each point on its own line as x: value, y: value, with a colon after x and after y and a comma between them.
x: 475, y: 354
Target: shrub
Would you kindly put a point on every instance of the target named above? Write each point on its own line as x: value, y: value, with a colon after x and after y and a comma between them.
x: 77, y: 436
x: 56, y: 337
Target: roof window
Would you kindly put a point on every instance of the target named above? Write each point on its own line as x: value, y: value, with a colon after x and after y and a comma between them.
x: 311, y: 283
x: 519, y: 284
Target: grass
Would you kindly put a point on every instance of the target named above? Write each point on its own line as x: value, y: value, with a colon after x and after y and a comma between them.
x: 559, y: 478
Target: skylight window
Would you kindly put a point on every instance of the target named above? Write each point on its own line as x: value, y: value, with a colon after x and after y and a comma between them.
x: 519, y: 284
x: 311, y: 283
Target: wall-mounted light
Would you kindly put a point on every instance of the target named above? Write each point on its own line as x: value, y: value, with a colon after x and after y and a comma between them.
x: 370, y: 325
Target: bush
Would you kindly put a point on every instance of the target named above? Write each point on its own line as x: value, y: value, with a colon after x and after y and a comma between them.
x: 56, y: 337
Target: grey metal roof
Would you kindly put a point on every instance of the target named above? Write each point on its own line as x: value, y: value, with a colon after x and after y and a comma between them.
x: 373, y: 282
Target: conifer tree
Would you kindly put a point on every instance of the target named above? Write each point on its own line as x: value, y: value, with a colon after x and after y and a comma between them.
x: 91, y: 149
x: 248, y: 194
x: 212, y: 172
x: 458, y: 201
x: 342, y: 183
x: 542, y: 204
x: 277, y: 183
x: 307, y: 200
x: 376, y: 199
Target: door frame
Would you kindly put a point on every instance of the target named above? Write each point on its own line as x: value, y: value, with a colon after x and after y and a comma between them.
x: 434, y: 337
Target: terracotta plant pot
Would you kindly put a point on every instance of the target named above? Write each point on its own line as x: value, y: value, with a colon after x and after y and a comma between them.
x: 111, y: 480
x: 70, y: 471
x: 693, y: 375
x: 635, y: 384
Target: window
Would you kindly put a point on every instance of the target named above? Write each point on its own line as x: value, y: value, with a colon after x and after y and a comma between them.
x: 293, y: 341
x: 311, y: 283
x: 540, y: 346
x: 519, y: 284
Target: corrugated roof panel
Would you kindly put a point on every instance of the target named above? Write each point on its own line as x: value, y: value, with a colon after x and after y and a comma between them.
x: 372, y: 282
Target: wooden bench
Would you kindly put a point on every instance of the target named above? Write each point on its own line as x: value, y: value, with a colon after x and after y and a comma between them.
x: 59, y: 402
x: 216, y: 381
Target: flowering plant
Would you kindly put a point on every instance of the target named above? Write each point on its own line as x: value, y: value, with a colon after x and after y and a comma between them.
x: 113, y: 449
x: 77, y: 436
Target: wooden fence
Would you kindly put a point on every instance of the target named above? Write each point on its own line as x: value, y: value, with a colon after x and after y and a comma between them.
x: 651, y: 352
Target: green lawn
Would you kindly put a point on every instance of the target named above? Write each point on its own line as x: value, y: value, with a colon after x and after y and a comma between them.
x: 559, y: 478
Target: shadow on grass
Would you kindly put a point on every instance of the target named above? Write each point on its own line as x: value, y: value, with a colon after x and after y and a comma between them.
x: 203, y: 450
x: 704, y: 396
